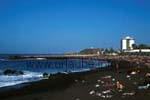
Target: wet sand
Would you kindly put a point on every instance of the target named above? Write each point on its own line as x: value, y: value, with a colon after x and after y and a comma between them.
x: 79, y: 86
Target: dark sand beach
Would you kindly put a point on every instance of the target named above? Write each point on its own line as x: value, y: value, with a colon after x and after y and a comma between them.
x: 97, y: 84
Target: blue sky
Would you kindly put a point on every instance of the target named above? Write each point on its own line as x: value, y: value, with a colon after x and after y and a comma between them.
x: 58, y: 26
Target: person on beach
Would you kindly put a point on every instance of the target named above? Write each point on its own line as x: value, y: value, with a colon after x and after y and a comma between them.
x: 119, y: 86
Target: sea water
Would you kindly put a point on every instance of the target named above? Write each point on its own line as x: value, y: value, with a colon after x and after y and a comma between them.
x: 7, y: 80
x: 33, y: 69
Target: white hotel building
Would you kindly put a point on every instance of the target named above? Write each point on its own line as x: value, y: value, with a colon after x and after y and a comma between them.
x: 127, y: 46
x: 127, y: 43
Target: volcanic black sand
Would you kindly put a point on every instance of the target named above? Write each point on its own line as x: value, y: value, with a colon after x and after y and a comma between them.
x: 99, y: 84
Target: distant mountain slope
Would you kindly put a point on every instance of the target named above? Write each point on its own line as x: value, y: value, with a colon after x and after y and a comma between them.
x: 91, y: 51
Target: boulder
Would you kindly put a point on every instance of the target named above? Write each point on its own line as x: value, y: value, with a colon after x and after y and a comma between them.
x: 45, y: 75
x: 12, y: 72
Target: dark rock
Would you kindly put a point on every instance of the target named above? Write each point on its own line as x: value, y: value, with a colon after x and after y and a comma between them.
x: 12, y: 72
x: 147, y: 78
x: 45, y: 75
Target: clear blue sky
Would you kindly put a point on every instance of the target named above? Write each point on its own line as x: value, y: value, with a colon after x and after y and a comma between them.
x: 58, y: 26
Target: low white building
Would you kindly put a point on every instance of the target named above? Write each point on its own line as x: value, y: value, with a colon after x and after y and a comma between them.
x: 138, y: 50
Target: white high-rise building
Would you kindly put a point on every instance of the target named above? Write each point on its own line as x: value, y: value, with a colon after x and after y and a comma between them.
x: 127, y: 43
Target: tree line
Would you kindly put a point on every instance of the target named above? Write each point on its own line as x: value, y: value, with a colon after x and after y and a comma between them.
x: 141, y: 46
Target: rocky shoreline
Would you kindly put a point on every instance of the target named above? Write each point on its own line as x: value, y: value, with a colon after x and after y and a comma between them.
x: 121, y: 80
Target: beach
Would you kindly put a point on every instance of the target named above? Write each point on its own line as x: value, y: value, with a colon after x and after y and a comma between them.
x: 74, y: 50
x: 96, y: 84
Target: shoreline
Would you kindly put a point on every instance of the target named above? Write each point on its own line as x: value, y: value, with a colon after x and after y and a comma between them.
x: 52, y: 83
x: 80, y: 84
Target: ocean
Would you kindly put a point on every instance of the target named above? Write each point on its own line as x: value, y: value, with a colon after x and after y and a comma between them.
x: 33, y: 69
